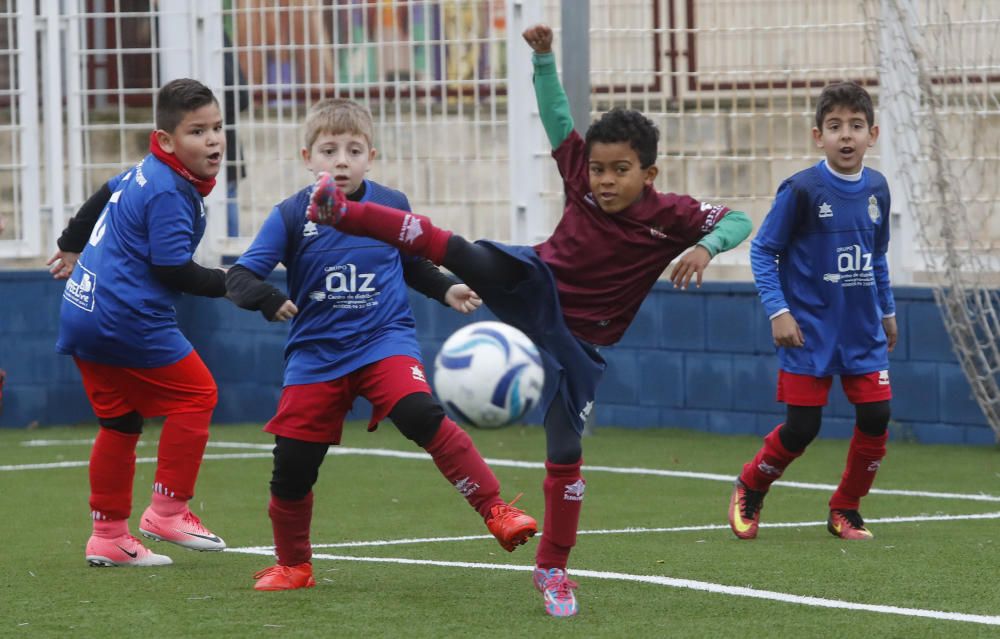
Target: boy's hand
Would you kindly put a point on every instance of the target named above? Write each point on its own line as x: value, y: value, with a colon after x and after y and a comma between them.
x: 891, y: 331
x: 786, y: 332
x: 691, y: 264
x: 62, y: 263
x: 462, y: 298
x: 286, y: 311
x: 539, y: 38
x: 327, y: 204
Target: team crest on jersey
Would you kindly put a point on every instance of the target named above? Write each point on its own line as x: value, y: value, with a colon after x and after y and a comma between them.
x: 310, y: 229
x: 873, y: 211
x: 80, y: 288
x: 825, y: 210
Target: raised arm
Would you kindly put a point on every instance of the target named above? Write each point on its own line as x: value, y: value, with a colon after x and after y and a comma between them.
x: 553, y: 106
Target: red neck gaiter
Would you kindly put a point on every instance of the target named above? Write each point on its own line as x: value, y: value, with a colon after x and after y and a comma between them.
x: 202, y: 185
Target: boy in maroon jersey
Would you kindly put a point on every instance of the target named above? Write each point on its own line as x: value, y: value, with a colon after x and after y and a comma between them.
x: 579, y: 289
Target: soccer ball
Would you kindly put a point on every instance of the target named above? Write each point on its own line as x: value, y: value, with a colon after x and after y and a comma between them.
x: 488, y: 374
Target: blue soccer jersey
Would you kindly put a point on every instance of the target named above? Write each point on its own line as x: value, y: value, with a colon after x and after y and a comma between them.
x: 114, y: 310
x: 353, y: 303
x: 821, y: 254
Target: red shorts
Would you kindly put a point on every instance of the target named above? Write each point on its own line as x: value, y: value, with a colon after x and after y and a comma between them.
x: 315, y: 412
x: 183, y: 387
x: 806, y: 390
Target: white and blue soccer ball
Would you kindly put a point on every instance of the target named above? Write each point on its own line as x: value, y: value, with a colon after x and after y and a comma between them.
x: 488, y: 374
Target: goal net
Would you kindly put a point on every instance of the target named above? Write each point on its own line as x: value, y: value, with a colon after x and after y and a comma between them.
x: 939, y: 71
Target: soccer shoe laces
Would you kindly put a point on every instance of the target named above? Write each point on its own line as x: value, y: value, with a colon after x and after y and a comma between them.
x: 506, y: 511
x: 853, y: 518
x: 751, y: 502
x: 562, y: 588
x: 193, y: 520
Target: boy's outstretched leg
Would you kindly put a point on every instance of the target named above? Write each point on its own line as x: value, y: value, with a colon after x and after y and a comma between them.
x: 421, y: 419
x: 410, y: 233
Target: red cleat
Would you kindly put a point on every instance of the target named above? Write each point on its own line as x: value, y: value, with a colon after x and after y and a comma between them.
x: 511, y: 526
x: 285, y: 577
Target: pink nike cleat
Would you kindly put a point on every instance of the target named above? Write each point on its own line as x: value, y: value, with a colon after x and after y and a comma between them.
x: 183, y: 529
x: 125, y: 550
x: 327, y: 203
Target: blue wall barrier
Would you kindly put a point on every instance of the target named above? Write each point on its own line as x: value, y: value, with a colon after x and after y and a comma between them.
x: 701, y: 360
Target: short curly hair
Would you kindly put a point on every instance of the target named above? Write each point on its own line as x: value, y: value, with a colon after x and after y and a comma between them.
x: 626, y: 125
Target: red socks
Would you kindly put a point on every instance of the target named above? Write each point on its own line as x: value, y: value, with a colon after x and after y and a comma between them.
x: 290, y: 521
x: 563, y: 488
x: 411, y: 233
x: 182, y: 445
x: 769, y: 463
x: 863, y: 460
x: 112, y: 468
x: 458, y: 460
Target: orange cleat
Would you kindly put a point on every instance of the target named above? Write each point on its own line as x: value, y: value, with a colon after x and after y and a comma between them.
x: 285, y: 577
x: 511, y: 526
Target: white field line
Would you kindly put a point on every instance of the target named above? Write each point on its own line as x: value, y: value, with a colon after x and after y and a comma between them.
x: 498, y: 463
x: 639, y: 530
x: 671, y: 582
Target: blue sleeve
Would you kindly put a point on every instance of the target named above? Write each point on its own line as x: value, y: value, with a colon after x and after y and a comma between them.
x: 771, y: 240
x: 268, y: 248
x: 886, y: 301
x: 778, y: 226
x: 764, y: 264
x: 170, y: 223
x: 880, y: 264
x: 116, y: 180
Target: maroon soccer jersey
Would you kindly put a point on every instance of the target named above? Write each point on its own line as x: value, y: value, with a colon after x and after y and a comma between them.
x: 605, y: 264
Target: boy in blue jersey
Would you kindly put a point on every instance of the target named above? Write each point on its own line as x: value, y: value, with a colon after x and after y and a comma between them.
x: 819, y: 263
x: 352, y: 333
x: 579, y: 289
x: 126, y: 258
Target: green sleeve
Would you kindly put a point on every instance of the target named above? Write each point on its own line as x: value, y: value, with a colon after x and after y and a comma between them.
x: 732, y: 229
x: 553, y: 106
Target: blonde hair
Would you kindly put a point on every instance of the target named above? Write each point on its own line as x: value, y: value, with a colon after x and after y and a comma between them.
x: 336, y: 116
